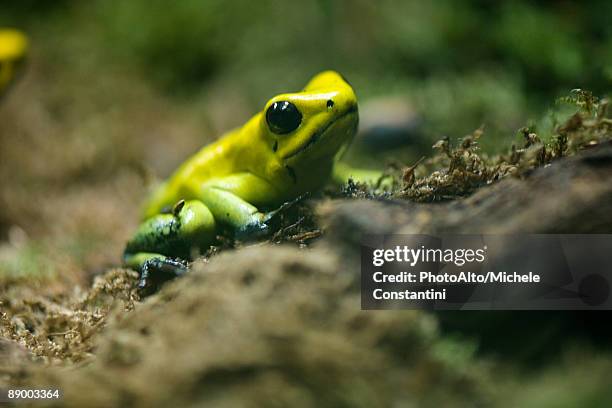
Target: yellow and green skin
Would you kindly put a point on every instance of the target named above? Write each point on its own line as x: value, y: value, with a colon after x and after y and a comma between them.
x: 13, y: 49
x: 286, y: 150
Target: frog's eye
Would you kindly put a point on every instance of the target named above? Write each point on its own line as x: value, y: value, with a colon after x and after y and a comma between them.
x: 283, y: 117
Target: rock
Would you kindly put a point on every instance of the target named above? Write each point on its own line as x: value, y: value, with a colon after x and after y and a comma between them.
x: 266, y: 326
x: 572, y: 195
x: 388, y: 122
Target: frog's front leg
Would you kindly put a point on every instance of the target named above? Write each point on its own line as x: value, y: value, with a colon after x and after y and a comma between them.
x: 163, y: 243
x: 233, y: 201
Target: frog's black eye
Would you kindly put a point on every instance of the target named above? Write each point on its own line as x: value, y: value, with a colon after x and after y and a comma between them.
x: 283, y: 117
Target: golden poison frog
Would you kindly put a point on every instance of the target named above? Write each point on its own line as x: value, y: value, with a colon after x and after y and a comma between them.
x: 286, y: 150
x: 13, y: 49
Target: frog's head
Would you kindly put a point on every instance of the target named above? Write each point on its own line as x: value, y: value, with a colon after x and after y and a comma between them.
x: 312, y: 125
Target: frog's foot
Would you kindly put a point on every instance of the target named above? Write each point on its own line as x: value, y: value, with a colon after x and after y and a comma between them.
x: 164, y: 240
x: 261, y: 227
x: 156, y: 271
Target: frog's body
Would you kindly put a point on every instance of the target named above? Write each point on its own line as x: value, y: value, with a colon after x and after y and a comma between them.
x: 13, y: 49
x: 284, y: 151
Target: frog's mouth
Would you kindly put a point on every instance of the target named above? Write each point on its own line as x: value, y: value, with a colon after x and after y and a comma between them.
x: 319, y: 134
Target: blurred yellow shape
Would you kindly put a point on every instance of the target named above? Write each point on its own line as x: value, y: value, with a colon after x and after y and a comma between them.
x: 13, y: 48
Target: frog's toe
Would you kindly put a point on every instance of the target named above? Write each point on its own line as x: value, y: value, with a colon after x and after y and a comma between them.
x: 252, y: 231
x: 156, y: 271
x: 284, y: 207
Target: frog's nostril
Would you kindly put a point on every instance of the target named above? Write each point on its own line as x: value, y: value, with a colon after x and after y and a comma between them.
x: 330, y: 104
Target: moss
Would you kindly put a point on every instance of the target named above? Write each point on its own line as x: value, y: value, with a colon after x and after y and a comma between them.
x: 61, y: 327
x: 458, y: 169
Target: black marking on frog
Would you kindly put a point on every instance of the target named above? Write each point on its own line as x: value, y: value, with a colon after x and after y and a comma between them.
x: 292, y: 174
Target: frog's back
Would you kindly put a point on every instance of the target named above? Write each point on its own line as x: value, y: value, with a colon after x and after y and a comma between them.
x: 214, y: 160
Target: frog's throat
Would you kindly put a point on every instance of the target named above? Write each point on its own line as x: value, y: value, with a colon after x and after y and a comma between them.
x: 319, y: 133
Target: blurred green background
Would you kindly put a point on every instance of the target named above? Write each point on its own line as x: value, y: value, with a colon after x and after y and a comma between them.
x: 459, y: 64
